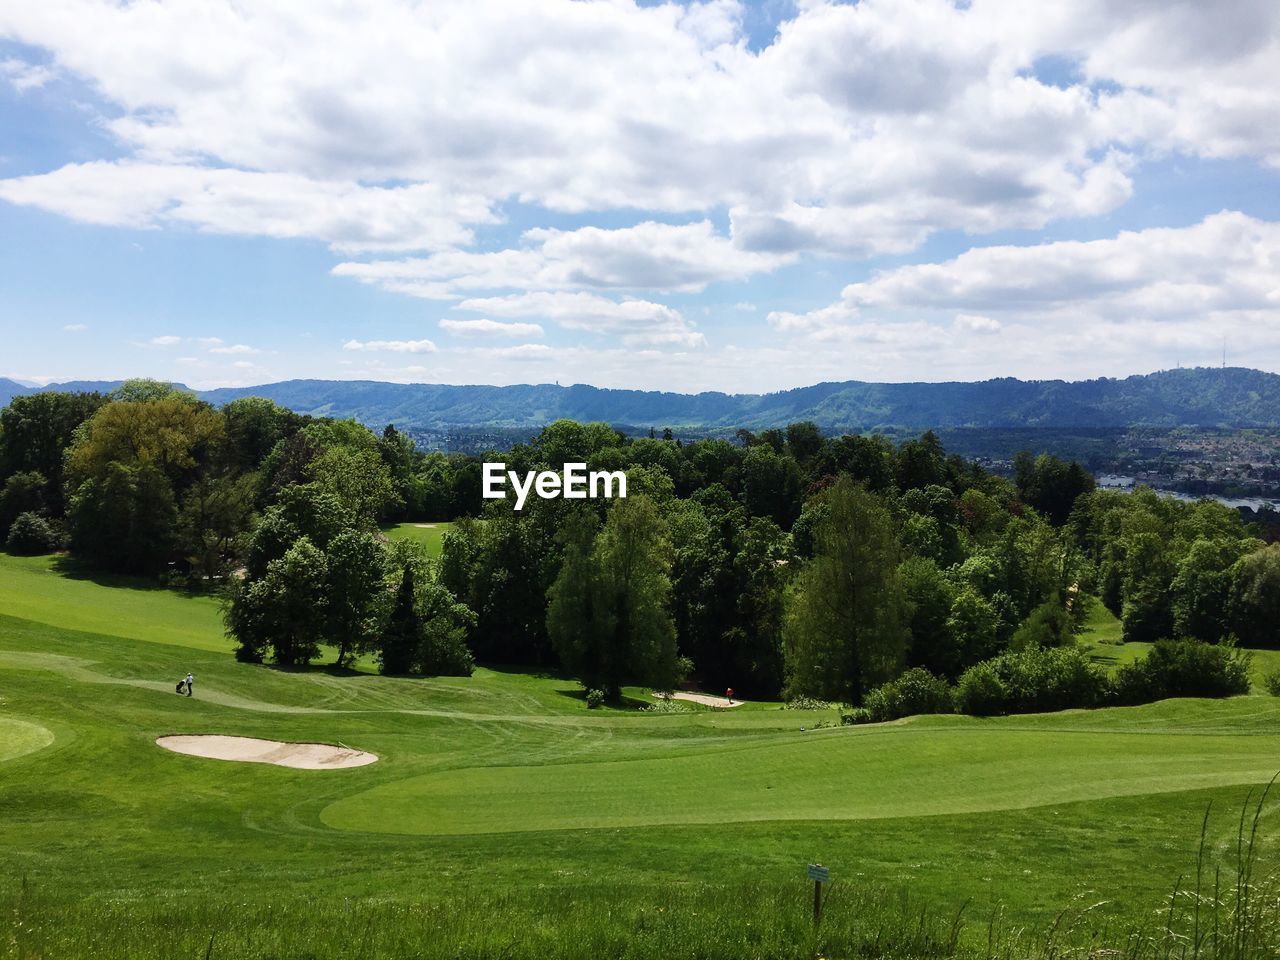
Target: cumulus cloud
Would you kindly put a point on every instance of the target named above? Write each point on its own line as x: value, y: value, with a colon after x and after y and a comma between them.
x: 858, y: 128
x: 1166, y: 293
x: 650, y: 255
x: 348, y: 216
x: 391, y: 346
x: 234, y: 348
x: 23, y: 76
x: 490, y: 328
x: 165, y: 341
x: 637, y: 321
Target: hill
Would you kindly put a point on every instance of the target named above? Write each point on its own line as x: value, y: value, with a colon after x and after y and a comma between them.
x: 502, y: 811
x: 1202, y: 397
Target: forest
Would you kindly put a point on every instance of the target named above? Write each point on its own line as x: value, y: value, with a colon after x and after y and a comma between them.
x: 785, y: 563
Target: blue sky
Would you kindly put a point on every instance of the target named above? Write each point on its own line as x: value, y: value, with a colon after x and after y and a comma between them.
x: 740, y: 197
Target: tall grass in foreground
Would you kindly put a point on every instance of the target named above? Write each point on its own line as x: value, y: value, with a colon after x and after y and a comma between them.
x: 1218, y: 914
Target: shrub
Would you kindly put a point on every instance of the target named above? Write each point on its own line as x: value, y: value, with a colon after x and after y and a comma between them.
x: 1184, y: 668
x: 915, y: 692
x: 1035, y: 680
x: 1049, y: 625
x: 595, y: 699
x: 1272, y: 682
x: 31, y: 534
x: 980, y: 691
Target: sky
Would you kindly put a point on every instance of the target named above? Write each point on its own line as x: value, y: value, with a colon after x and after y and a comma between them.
x: 713, y: 195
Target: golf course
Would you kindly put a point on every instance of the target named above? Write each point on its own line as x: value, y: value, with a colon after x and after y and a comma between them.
x: 503, y: 818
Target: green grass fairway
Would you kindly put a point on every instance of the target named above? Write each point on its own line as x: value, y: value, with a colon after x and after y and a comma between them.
x: 501, y: 795
x: 430, y: 535
x: 58, y: 592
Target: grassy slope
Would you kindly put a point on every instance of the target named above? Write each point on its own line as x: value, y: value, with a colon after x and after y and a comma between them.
x: 1102, y: 636
x: 429, y: 535
x: 58, y: 592
x: 1028, y: 812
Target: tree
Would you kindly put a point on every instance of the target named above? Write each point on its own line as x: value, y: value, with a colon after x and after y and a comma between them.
x: 126, y: 519
x: 215, y: 514
x: 1147, y: 613
x: 254, y: 425
x: 444, y: 626
x: 846, y: 625
x: 399, y: 644
x: 35, y: 432
x: 608, y: 615
x: 930, y: 596
x: 1254, y: 607
x: 771, y: 485
x: 284, y: 612
x: 21, y: 493
x: 355, y: 564
x: 31, y: 534
x: 571, y: 613
x: 1050, y: 485
x: 973, y: 623
x: 1202, y: 589
x: 1050, y: 625
x: 302, y: 511
x: 358, y: 478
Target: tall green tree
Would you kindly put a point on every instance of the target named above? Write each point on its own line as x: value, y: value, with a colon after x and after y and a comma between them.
x: 846, y: 626
x: 619, y: 627
x: 35, y: 432
x: 355, y: 594
x: 1254, y: 607
x: 284, y: 613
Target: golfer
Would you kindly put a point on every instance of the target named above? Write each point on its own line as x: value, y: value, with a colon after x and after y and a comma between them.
x: 728, y: 695
x: 190, y: 681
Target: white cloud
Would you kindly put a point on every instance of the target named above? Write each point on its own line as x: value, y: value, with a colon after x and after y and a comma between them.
x: 637, y: 321
x: 23, y: 76
x: 208, y: 342
x: 165, y: 341
x: 1161, y: 295
x: 490, y: 328
x: 391, y: 346
x: 76, y: 327
x: 349, y: 217
x: 234, y: 348
x: 524, y: 351
x: 976, y: 323
x: 650, y: 255
x: 859, y: 128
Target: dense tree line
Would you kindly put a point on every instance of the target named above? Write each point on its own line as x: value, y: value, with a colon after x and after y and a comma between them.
x: 783, y: 562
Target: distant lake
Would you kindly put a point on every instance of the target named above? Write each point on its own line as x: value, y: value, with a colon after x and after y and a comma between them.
x: 1113, y: 481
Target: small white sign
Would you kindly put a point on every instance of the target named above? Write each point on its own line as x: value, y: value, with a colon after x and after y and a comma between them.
x: 819, y: 873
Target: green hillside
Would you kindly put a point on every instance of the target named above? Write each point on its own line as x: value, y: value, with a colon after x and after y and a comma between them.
x: 498, y: 801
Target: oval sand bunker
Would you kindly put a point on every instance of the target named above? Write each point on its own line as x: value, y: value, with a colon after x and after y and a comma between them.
x: 300, y: 756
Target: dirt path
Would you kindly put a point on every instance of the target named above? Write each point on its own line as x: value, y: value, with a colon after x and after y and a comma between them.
x: 706, y: 699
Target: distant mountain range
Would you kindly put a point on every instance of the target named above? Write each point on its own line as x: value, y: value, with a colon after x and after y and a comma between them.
x: 1203, y: 397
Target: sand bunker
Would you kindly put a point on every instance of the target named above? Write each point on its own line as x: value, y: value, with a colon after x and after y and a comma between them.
x: 300, y: 756
x: 705, y: 699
